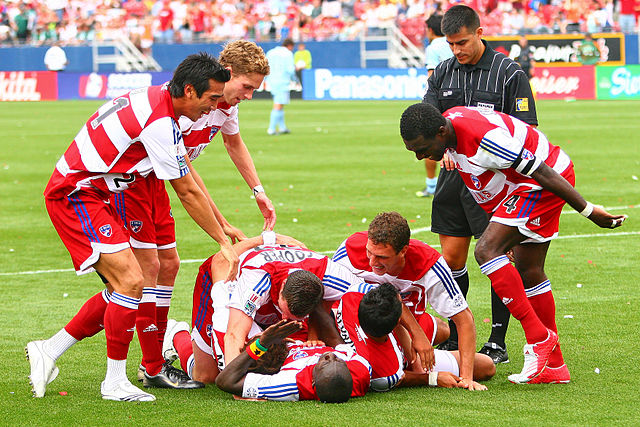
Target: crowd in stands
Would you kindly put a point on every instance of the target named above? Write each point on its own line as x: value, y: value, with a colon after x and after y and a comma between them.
x: 70, y: 22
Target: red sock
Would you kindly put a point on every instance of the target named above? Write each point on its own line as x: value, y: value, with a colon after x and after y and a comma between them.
x: 148, y: 332
x: 507, y: 283
x: 90, y: 318
x: 119, y: 324
x: 162, y: 314
x: 545, y: 307
x: 182, y: 344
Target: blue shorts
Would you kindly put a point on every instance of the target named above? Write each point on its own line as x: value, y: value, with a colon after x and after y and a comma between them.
x: 281, y: 96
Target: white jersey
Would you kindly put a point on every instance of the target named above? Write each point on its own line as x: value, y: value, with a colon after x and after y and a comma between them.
x: 197, y: 135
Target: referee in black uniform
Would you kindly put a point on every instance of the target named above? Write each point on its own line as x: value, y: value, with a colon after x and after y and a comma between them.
x: 475, y: 76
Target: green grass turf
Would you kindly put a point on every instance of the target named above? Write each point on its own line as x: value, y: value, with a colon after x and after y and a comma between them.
x: 341, y: 165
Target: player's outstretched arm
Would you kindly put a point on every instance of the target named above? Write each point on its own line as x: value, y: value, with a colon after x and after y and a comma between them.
x: 467, y: 346
x: 554, y: 182
x: 231, y: 379
x: 420, y: 345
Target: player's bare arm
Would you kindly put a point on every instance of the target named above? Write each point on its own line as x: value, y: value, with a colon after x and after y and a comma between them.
x: 244, y: 163
x: 234, y: 233
x: 236, y: 336
x: 420, y: 345
x: 196, y: 204
x: 554, y: 182
x: 232, y: 378
x: 467, y: 347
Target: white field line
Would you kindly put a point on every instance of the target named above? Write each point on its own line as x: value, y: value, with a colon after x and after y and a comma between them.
x: 415, y: 231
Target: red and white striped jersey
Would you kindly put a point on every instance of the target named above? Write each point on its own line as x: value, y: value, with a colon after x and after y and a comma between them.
x: 197, y: 135
x: 124, y: 140
x: 386, y: 358
x: 425, y: 278
x: 295, y: 380
x: 496, y: 154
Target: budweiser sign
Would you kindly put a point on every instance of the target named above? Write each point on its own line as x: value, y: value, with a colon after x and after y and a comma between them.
x: 564, y: 82
x: 28, y: 86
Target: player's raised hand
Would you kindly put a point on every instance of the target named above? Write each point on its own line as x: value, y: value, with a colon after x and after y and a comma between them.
x: 268, y: 211
x: 232, y: 258
x: 604, y: 219
x: 279, y: 331
x: 234, y: 233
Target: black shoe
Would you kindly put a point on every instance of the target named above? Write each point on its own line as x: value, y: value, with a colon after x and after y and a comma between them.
x: 495, y: 352
x: 448, y: 345
x: 170, y: 377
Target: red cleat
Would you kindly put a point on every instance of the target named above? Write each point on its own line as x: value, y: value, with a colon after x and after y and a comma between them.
x: 559, y: 375
x: 536, y: 357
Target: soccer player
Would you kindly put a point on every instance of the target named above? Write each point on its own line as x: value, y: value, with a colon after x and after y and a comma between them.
x: 522, y: 181
x: 275, y: 282
x: 308, y: 373
x: 386, y: 254
x: 283, y: 72
x: 478, y: 76
x: 437, y: 51
x: 146, y: 209
x: 367, y: 319
x: 124, y: 141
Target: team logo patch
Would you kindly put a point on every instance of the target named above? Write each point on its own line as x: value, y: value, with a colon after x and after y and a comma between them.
x: 458, y: 301
x: 214, y: 131
x: 476, y: 182
x: 522, y: 104
x: 251, y: 392
x: 182, y: 163
x: 299, y: 355
x: 249, y: 308
x: 526, y: 154
x: 105, y: 230
x: 485, y: 106
x: 209, y: 330
x: 135, y: 225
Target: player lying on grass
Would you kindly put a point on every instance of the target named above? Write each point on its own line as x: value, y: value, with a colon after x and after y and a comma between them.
x: 331, y: 375
x: 274, y: 282
x: 367, y: 319
x: 522, y: 181
x: 385, y: 253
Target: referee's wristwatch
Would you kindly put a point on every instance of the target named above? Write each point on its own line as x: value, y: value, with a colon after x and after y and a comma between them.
x: 257, y: 190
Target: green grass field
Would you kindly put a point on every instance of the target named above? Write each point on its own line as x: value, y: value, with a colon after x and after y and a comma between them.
x: 341, y: 165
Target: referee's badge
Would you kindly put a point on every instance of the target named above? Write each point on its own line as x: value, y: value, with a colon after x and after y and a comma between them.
x: 522, y: 104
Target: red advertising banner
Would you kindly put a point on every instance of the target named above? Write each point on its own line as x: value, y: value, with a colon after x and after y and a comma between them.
x: 564, y: 82
x: 28, y: 86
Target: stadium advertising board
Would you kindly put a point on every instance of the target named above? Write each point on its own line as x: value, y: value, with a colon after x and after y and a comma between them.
x: 564, y: 82
x: 105, y: 86
x: 28, y: 86
x: 561, y: 49
x: 364, y: 84
x: 618, y: 82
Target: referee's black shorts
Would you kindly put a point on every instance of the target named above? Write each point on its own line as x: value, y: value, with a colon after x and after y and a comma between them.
x: 454, y: 212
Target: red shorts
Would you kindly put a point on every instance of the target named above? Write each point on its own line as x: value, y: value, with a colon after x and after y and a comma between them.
x: 536, y: 214
x: 145, y: 210
x: 88, y: 226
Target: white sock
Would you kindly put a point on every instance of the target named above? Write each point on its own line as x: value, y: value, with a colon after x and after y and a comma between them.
x: 191, y: 362
x: 116, y: 371
x: 58, y: 344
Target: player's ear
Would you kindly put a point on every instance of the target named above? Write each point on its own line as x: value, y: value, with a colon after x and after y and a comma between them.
x: 479, y: 32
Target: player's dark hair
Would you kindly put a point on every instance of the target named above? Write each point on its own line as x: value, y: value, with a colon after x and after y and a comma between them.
x: 459, y: 16
x: 389, y: 228
x: 434, y: 22
x: 196, y: 70
x: 421, y: 119
x: 271, y: 361
x: 334, y: 384
x: 379, y: 310
x: 303, y: 291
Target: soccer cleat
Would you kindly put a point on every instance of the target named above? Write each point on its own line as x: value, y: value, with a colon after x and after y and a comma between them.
x: 141, y: 371
x: 170, y: 377
x: 43, y: 368
x: 124, y: 391
x: 168, y: 350
x: 536, y: 357
x: 497, y: 353
x: 271, y: 132
x: 559, y: 375
x: 424, y: 193
x: 285, y: 131
x: 448, y: 345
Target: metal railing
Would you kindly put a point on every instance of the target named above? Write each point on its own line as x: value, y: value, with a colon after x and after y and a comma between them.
x: 124, y: 54
x: 390, y: 44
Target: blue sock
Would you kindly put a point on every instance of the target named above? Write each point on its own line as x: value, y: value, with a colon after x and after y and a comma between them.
x: 280, y: 120
x: 273, y: 120
x: 431, y: 184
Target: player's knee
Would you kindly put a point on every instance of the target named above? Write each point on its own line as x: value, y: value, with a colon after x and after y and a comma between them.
x: 169, y: 266
x: 129, y: 282
x: 481, y: 252
x: 443, y: 332
x: 484, y: 368
x: 207, y: 377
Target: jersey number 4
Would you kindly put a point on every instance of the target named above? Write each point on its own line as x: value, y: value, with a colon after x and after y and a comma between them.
x: 511, y: 203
